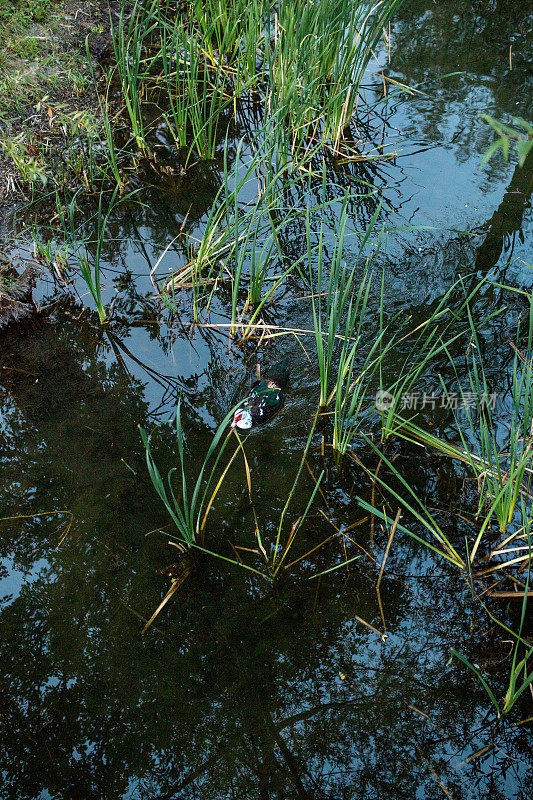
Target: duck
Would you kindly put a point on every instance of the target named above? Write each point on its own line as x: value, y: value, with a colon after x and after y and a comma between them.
x: 265, y: 399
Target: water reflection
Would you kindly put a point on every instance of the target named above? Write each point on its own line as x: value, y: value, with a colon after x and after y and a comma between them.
x: 241, y: 690
x: 236, y: 691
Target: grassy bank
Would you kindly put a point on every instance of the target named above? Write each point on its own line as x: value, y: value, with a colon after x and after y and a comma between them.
x: 49, y: 54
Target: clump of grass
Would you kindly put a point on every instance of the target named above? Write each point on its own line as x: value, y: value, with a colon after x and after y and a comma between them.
x: 357, y: 369
x: 315, y: 65
x: 30, y: 165
x: 502, y: 468
x: 339, y: 315
x: 505, y: 473
x: 520, y: 676
x: 189, y: 506
x: 186, y: 509
x: 429, y: 340
x: 305, y: 61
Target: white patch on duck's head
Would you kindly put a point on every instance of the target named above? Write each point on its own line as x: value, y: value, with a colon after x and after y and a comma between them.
x: 242, y: 419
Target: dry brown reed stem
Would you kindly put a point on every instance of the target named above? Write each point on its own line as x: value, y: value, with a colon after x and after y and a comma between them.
x: 437, y: 777
x: 481, y: 752
x: 316, y: 547
x: 46, y: 514
x: 175, y: 586
x: 418, y: 711
x: 344, y: 531
x: 381, y: 569
x: 381, y: 635
x: 387, y: 549
x: 510, y: 539
x: 281, y: 331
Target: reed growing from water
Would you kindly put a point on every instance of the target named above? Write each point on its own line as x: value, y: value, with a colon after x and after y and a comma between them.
x: 338, y: 307
x: 502, y: 467
x: 88, y: 248
x: 358, y: 365
x: 189, y: 505
x: 131, y: 38
x: 300, y: 62
x: 185, y: 509
x: 315, y: 57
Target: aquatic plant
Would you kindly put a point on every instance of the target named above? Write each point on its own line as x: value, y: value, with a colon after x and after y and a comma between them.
x: 129, y: 42
x: 502, y: 469
x: 316, y: 62
x: 411, y: 503
x: 189, y: 509
x: 305, y: 61
x: 520, y: 676
x: 26, y: 157
x: 356, y: 369
x: 241, y: 243
x: 87, y: 249
x: 501, y: 466
x: 336, y: 314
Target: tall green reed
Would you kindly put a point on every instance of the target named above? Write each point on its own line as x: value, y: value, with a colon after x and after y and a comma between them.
x: 91, y: 274
x: 186, y: 509
x: 317, y: 59
x: 337, y: 308
x: 133, y: 63
x: 502, y: 467
x: 358, y: 366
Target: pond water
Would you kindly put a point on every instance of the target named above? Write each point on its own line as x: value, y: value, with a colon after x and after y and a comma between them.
x: 239, y: 689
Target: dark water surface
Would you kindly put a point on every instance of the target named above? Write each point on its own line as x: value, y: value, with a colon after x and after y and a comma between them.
x: 239, y: 690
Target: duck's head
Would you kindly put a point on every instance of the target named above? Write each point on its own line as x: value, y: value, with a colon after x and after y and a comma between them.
x: 242, y: 419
